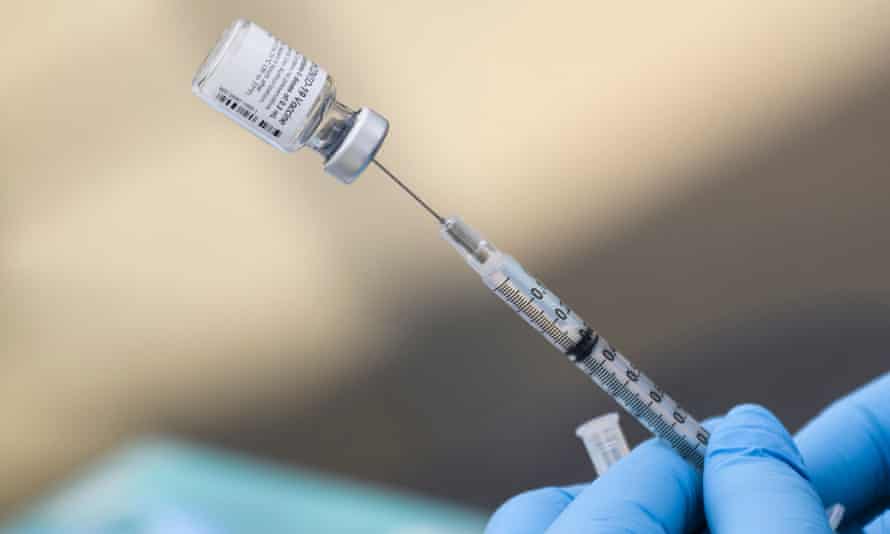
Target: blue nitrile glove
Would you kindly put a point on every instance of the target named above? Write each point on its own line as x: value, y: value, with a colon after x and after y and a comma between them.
x: 754, y: 479
x: 847, y: 452
x: 652, y: 489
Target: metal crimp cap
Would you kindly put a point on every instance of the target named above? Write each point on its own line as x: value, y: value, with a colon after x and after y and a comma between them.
x: 358, y: 147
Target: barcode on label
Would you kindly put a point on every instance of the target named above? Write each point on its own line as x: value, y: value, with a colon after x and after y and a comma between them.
x: 249, y: 115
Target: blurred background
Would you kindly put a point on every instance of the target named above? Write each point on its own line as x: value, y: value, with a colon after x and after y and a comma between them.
x: 706, y: 184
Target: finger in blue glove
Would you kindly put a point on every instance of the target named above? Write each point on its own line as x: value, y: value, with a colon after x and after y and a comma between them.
x: 755, y: 479
x: 650, y: 490
x: 847, y: 450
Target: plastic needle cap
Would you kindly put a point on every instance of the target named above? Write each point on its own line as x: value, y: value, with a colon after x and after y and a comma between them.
x: 604, y: 441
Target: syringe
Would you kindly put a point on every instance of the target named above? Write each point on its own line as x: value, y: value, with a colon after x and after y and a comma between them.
x: 561, y: 326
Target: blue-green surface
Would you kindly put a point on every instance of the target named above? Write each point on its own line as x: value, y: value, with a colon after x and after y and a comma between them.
x: 171, y: 487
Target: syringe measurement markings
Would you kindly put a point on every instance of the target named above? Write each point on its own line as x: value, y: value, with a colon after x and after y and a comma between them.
x: 536, y: 315
x: 540, y: 319
x: 631, y: 401
x: 608, y: 369
x: 607, y: 379
x: 515, y: 297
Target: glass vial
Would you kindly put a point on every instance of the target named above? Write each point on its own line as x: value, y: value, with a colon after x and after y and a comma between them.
x: 287, y: 100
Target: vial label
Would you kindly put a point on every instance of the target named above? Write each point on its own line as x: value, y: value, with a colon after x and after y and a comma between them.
x: 267, y: 86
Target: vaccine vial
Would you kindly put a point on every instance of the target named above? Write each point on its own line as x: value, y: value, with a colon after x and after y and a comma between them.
x: 287, y: 100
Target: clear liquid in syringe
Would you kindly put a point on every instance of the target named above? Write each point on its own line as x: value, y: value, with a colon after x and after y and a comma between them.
x: 565, y: 330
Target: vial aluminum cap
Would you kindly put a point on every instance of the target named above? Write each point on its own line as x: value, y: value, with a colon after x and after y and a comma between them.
x: 358, y: 147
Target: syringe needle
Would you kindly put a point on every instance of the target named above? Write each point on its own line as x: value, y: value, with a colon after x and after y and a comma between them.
x: 412, y: 193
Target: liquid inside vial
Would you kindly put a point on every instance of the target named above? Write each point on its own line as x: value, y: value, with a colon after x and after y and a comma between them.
x: 277, y: 93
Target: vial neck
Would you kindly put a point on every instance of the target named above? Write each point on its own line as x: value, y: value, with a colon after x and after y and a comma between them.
x: 336, y: 121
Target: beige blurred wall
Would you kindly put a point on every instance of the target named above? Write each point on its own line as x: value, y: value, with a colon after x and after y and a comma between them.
x: 158, y: 264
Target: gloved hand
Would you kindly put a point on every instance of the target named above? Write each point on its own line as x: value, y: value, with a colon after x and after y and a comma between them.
x: 756, y: 479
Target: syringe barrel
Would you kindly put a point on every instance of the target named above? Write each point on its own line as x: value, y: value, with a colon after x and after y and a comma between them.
x: 540, y: 307
x: 564, y: 329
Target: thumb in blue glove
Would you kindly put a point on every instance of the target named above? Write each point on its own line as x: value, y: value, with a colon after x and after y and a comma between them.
x: 755, y: 479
